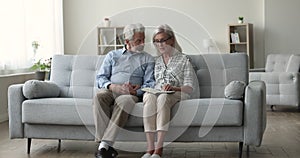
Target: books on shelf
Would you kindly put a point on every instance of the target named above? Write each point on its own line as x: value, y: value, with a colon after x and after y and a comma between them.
x: 235, y: 37
x: 120, y: 39
x: 102, y: 39
x: 156, y: 91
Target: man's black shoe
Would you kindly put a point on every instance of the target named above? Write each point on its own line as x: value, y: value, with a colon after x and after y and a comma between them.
x: 112, y: 152
x: 103, y: 153
x: 100, y: 153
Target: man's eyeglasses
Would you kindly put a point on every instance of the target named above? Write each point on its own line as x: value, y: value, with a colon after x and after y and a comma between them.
x: 162, y: 40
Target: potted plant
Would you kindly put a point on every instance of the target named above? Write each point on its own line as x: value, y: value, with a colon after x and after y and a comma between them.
x: 41, y: 67
x: 241, y: 20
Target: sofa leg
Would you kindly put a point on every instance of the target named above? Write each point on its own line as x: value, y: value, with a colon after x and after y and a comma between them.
x: 28, y: 145
x: 241, y: 149
x: 247, y: 150
x: 59, y: 145
x: 273, y: 107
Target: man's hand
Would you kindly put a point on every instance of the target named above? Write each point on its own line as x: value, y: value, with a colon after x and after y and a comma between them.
x: 131, y: 88
x: 126, y: 88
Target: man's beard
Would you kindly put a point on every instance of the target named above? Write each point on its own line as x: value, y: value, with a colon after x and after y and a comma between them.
x: 138, y: 48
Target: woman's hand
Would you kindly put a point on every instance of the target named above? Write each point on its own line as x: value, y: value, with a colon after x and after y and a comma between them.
x: 186, y: 89
x: 167, y: 87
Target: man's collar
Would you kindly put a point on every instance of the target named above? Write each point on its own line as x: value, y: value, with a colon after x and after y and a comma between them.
x: 124, y: 50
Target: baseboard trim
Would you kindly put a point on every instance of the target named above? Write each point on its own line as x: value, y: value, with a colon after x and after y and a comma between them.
x: 3, y: 117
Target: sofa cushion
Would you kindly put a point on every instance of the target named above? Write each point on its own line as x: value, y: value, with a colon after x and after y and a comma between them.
x: 215, y: 71
x: 198, y: 112
x: 60, y: 111
x: 71, y: 111
x: 40, y: 89
x: 208, y: 112
x: 283, y: 63
x: 235, y: 90
x: 68, y: 111
x: 76, y: 74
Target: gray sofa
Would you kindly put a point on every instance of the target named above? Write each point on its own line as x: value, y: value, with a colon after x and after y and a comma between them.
x: 281, y: 76
x: 208, y: 118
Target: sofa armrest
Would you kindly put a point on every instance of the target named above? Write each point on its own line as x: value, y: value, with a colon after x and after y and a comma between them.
x: 15, y: 100
x: 254, y: 113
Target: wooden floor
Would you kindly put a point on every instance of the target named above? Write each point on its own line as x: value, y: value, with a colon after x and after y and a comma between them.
x: 281, y: 140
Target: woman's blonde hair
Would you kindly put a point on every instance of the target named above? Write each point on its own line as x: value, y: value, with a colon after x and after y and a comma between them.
x: 168, y: 30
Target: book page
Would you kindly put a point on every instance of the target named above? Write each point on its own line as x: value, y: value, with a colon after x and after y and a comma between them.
x: 156, y: 91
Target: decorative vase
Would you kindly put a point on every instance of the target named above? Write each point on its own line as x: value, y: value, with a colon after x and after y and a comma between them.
x: 241, y: 21
x: 107, y: 22
x: 47, y: 75
x: 40, y: 75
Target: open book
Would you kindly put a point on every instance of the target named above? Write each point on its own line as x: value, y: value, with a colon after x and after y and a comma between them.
x: 156, y: 91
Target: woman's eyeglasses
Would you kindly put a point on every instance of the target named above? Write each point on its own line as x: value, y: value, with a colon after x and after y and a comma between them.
x: 162, y: 40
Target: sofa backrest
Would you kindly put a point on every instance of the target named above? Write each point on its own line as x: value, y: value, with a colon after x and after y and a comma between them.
x: 215, y: 71
x: 76, y: 74
x: 283, y: 63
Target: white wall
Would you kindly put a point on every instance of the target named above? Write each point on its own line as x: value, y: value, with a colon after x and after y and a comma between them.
x: 282, y: 22
x: 194, y: 20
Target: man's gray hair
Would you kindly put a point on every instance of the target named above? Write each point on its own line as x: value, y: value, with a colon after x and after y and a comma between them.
x: 130, y: 29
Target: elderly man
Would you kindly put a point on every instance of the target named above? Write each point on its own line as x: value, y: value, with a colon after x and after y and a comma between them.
x: 120, y: 79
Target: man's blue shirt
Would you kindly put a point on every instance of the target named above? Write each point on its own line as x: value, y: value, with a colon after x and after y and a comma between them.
x: 121, y: 66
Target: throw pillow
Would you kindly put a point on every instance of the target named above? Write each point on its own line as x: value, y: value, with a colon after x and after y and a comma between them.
x: 235, y: 90
x: 40, y: 89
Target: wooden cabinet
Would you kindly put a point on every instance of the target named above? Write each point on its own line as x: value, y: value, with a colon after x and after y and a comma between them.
x: 109, y: 38
x: 241, y: 40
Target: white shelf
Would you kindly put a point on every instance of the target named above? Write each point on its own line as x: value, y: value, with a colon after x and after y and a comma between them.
x: 109, y: 38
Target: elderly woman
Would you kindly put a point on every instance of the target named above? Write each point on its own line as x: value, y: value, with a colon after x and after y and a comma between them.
x: 173, y: 72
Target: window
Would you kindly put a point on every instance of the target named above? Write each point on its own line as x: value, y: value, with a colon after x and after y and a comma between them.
x: 25, y: 21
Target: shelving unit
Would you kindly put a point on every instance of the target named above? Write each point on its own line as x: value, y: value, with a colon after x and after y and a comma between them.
x: 244, y: 41
x: 109, y: 38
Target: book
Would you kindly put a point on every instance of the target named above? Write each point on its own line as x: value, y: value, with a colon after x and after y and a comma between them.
x: 232, y: 37
x: 104, y: 41
x: 156, y: 91
x: 235, y: 37
x: 121, y: 39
